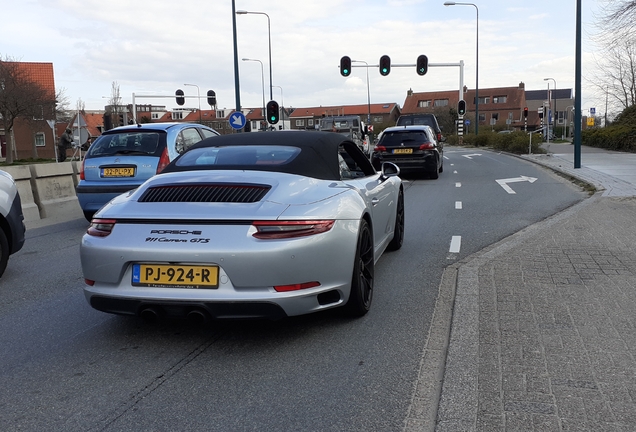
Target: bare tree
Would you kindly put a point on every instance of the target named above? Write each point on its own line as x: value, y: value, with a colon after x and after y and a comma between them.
x: 615, y: 78
x: 22, y: 98
x: 619, y: 17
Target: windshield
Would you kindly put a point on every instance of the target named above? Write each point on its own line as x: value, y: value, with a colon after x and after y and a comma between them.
x: 124, y: 143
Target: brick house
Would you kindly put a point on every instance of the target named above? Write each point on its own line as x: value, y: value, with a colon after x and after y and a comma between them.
x: 30, y: 133
x: 382, y: 114
x: 499, y: 107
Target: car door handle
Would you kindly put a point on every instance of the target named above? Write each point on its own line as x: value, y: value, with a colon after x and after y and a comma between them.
x: 375, y: 201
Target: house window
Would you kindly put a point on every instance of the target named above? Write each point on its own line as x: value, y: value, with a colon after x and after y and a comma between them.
x: 300, y: 122
x: 378, y: 119
x: 484, y: 100
x: 482, y: 117
x: 423, y: 104
x: 310, y: 122
x: 441, y: 102
x: 39, y: 139
x: 510, y: 115
x: 38, y: 113
x: 155, y: 116
x: 495, y: 116
x: 178, y: 115
x: 499, y: 99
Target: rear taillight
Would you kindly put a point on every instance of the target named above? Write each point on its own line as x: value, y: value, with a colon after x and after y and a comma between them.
x: 439, y: 136
x: 89, y: 282
x: 272, y: 230
x: 82, y: 177
x: 427, y: 146
x: 101, y: 227
x: 379, y: 148
x: 163, y: 161
x: 296, y: 287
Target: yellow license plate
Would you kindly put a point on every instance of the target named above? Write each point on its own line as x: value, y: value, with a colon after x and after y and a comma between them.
x: 402, y: 151
x: 185, y: 276
x: 118, y: 172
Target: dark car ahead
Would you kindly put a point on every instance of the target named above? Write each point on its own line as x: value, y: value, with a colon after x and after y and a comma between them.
x: 125, y: 157
x: 422, y: 119
x: 412, y: 148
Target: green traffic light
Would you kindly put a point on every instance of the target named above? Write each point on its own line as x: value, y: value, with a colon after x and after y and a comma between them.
x: 384, y: 70
x: 346, y: 71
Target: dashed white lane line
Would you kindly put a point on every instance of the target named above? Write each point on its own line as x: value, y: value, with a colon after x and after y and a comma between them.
x: 456, y: 244
x: 458, y: 205
x: 458, y: 185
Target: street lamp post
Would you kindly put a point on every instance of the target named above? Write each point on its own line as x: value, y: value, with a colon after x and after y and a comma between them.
x: 282, y: 104
x: 269, y: 33
x: 198, y: 97
x: 555, y: 114
x: 368, y: 90
x: 450, y: 3
x: 262, y: 81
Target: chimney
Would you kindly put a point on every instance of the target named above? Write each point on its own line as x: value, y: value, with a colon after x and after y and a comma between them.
x: 409, y: 92
x: 465, y: 89
x: 522, y: 85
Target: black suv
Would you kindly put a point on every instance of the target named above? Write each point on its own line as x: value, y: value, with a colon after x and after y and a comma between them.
x: 422, y: 119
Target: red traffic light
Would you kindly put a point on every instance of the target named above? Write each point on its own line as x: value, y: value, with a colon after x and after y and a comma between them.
x: 525, y: 112
x: 385, y: 65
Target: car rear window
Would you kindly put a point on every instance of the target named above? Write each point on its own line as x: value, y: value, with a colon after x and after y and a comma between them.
x: 403, y: 137
x: 244, y: 156
x: 128, y: 143
x: 416, y: 121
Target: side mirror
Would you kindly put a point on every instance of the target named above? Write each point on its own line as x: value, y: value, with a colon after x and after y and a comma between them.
x: 389, y: 169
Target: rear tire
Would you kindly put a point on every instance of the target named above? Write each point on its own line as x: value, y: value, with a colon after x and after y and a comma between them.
x: 361, y: 293
x: 434, y: 174
x: 4, y: 251
x: 398, y: 231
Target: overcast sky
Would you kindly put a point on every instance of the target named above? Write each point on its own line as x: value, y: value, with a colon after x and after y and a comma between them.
x: 153, y: 47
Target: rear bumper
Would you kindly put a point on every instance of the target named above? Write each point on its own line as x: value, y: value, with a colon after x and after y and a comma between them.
x: 92, y: 198
x: 423, y: 161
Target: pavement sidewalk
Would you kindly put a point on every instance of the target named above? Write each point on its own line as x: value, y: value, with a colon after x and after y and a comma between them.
x: 543, y: 333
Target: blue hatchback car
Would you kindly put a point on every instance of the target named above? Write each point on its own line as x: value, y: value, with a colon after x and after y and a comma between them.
x: 123, y: 158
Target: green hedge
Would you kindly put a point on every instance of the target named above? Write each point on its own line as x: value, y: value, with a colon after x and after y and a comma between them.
x: 619, y: 137
x: 515, y: 142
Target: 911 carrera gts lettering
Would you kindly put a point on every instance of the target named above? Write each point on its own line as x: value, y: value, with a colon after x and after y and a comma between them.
x: 174, y: 240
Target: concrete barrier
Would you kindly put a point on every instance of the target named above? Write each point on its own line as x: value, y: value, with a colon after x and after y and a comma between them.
x: 22, y: 176
x: 53, y: 188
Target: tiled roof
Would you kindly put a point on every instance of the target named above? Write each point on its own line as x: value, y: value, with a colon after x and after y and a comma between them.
x: 39, y: 73
x: 376, y: 108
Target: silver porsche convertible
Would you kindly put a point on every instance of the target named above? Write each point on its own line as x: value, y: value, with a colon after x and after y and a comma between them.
x: 251, y: 225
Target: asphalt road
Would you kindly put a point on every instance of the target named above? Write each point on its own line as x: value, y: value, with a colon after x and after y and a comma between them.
x: 64, y: 366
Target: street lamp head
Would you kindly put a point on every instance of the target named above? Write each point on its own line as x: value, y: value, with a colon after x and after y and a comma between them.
x: 241, y: 12
x: 445, y: 4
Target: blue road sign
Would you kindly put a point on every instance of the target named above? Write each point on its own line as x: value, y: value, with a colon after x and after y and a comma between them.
x: 592, y: 111
x: 237, y: 120
x: 467, y: 122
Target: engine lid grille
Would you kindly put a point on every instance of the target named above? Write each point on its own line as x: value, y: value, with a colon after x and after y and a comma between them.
x: 217, y: 193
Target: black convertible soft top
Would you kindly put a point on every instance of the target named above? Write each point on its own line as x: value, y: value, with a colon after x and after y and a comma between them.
x: 318, y: 157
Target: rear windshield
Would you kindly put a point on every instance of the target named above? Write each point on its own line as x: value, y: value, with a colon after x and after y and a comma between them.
x: 126, y: 143
x: 417, y: 121
x: 406, y: 138
x: 238, y: 155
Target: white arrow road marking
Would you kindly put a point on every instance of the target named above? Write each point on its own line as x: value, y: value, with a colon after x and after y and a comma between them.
x: 470, y: 156
x: 458, y: 184
x: 458, y: 205
x: 456, y: 244
x: 504, y: 182
x: 237, y: 120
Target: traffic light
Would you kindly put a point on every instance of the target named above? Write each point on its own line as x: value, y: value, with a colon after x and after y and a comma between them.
x: 385, y: 65
x: 180, y: 99
x: 345, y: 66
x: 272, y: 112
x: 525, y: 112
x: 120, y: 120
x: 211, y: 98
x: 422, y: 65
x: 461, y: 107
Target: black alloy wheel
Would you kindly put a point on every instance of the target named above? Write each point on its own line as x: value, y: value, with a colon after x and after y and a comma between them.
x: 361, y: 293
x: 434, y: 173
x: 398, y: 231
